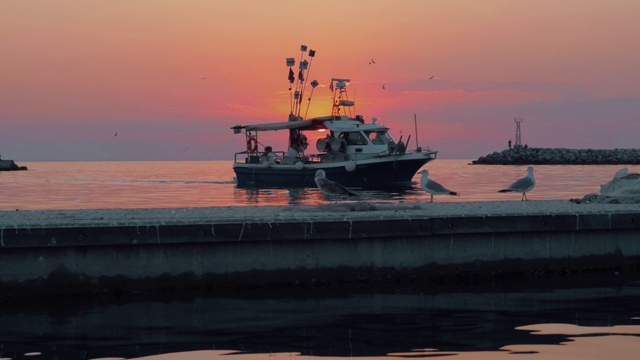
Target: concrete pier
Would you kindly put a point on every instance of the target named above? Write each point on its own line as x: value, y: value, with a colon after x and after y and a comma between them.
x: 97, y: 251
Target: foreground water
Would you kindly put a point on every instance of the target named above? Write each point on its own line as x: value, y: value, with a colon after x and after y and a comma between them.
x: 562, y: 322
x: 101, y: 185
x: 592, y: 318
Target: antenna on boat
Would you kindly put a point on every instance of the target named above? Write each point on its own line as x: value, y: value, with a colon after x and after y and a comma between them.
x: 415, y: 123
x: 313, y: 84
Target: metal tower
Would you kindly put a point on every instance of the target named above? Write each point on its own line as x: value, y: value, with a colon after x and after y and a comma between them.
x: 518, y: 121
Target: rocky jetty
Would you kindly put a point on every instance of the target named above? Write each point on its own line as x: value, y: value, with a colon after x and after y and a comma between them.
x: 523, y: 155
x: 8, y: 165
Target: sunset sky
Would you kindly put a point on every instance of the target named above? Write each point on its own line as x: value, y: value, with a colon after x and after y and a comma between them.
x: 75, y: 72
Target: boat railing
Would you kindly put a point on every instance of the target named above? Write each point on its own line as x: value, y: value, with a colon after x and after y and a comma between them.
x: 257, y: 158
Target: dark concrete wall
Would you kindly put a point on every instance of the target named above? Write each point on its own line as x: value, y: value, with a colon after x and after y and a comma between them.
x: 234, y: 254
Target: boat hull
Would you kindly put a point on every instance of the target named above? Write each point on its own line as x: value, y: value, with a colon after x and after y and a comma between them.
x: 386, y: 173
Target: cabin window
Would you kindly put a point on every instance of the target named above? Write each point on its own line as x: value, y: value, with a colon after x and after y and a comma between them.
x: 354, y: 138
x: 379, y: 137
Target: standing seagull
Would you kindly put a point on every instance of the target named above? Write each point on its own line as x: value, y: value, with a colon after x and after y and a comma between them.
x: 331, y: 189
x: 523, y: 185
x: 432, y: 187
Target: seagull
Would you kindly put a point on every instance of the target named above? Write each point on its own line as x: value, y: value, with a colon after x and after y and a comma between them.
x: 371, y: 62
x: 383, y: 87
x: 331, y: 189
x: 116, y: 134
x: 204, y: 78
x: 432, y: 187
x: 432, y: 77
x: 523, y: 185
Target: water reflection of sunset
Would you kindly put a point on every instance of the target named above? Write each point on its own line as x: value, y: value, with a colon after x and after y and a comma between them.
x: 595, y: 347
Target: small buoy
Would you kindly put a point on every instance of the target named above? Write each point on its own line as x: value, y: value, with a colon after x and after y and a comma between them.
x: 350, y: 166
x: 299, y: 165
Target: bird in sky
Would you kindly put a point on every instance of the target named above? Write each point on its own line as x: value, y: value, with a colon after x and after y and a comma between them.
x: 371, y: 61
x: 383, y: 87
x: 523, y: 185
x: 116, y: 134
x: 331, y: 189
x: 433, y: 187
x: 432, y: 77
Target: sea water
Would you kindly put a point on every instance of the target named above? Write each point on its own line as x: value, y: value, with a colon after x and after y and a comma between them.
x: 102, y: 185
x: 593, y: 317
x: 541, y: 322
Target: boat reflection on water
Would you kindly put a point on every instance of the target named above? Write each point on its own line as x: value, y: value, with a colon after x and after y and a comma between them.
x: 289, y: 196
x: 312, y: 196
x: 590, y: 346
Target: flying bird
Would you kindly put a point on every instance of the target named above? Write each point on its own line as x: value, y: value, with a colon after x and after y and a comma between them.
x: 432, y: 77
x: 116, y: 134
x: 331, y: 189
x: 433, y: 187
x: 523, y: 185
x: 204, y: 78
x: 371, y: 61
x: 383, y: 87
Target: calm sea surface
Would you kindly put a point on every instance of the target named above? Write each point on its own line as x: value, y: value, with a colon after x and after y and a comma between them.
x: 591, y: 318
x: 101, y: 185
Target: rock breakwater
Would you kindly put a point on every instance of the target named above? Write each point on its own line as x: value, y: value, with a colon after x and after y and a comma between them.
x: 9, y: 165
x: 522, y: 155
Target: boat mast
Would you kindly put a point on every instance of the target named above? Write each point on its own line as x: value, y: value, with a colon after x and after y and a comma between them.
x: 341, y: 100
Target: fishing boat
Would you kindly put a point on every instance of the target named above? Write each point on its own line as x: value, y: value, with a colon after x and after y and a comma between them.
x: 351, y: 151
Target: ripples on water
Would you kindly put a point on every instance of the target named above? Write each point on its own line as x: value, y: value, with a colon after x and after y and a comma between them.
x: 539, y: 324
x: 99, y: 185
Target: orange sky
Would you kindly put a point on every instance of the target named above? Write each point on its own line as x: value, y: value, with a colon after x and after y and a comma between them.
x: 74, y: 72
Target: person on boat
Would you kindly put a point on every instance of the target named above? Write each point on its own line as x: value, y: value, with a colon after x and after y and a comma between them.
x: 268, y: 155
